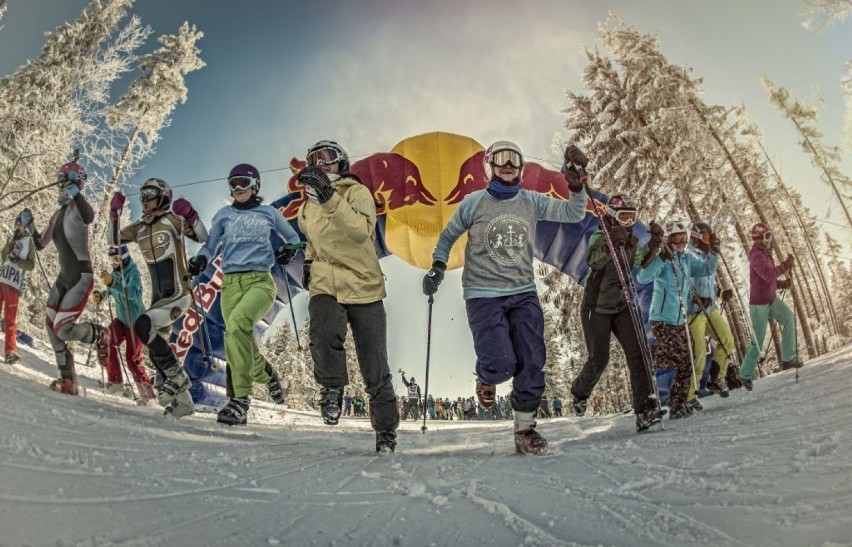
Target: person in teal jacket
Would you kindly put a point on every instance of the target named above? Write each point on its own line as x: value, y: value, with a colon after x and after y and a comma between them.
x: 240, y: 232
x: 124, y: 285
x: 669, y: 270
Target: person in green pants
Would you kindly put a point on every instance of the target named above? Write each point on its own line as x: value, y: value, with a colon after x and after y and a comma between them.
x: 240, y: 232
x: 764, y: 303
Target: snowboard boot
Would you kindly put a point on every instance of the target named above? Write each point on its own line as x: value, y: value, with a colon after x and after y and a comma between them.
x: 101, y: 341
x: 717, y: 386
x: 175, y: 383
x: 793, y: 363
x: 64, y: 385
x: 331, y: 403
x: 12, y: 358
x: 385, y: 441
x: 747, y: 383
x: 527, y: 439
x: 235, y: 412
x: 180, y: 406
x: 648, y: 418
x: 579, y: 405
x: 274, y: 386
x: 485, y: 393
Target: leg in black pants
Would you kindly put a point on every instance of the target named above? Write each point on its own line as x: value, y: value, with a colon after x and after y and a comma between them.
x: 596, y: 331
x: 640, y: 381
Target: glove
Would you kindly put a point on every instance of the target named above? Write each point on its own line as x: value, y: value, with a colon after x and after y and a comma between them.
x: 618, y: 234
x: 715, y: 244
x: 433, y: 278
x: 73, y: 190
x: 656, y: 236
x: 284, y: 255
x: 317, y: 184
x: 306, y: 274
x: 183, y: 208
x: 784, y: 284
x: 788, y: 263
x: 107, y: 279
x: 665, y: 254
x: 97, y: 297
x: 576, y: 180
x: 116, y: 204
x: 196, y: 265
x: 727, y: 295
x: 575, y: 155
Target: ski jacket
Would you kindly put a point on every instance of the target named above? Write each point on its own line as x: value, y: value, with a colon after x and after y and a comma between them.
x: 603, y: 292
x: 704, y: 285
x: 670, y: 283
x: 242, y: 236
x: 12, y: 273
x: 498, y: 257
x: 763, y: 276
x: 341, y: 247
x: 68, y: 229
x: 131, y: 283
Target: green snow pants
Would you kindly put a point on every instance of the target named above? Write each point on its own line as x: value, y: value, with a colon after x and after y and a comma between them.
x: 246, y: 297
x: 760, y: 315
x: 718, y: 330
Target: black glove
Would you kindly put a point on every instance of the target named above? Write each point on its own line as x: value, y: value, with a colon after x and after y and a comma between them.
x: 788, y: 263
x: 317, y: 184
x: 433, y: 278
x: 665, y: 254
x: 284, y: 255
x: 306, y: 274
x: 196, y: 265
x: 575, y: 178
x: 618, y: 234
x: 784, y: 284
x: 656, y: 236
x: 727, y: 295
x: 715, y: 244
x: 575, y: 155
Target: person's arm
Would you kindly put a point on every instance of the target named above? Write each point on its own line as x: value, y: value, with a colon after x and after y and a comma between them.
x: 702, y: 266
x: 649, y: 272
x: 86, y: 211
x: 459, y: 223
x: 27, y: 263
x: 597, y: 255
x: 764, y: 267
x: 568, y: 210
x: 354, y: 216
x: 217, y: 230
x: 287, y: 233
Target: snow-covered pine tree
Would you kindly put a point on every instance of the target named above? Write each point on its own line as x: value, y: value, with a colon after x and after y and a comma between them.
x: 294, y: 369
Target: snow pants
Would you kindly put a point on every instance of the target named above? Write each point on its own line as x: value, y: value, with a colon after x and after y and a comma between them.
x: 672, y: 351
x: 508, y: 338
x: 9, y: 298
x: 121, y: 333
x: 65, y: 303
x: 596, y: 331
x: 716, y: 327
x: 760, y: 315
x: 369, y: 332
x: 246, y: 298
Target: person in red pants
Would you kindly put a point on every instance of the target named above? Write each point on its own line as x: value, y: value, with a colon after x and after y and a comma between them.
x: 18, y: 256
x: 124, y: 286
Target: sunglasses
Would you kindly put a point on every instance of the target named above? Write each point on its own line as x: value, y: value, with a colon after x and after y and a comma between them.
x: 241, y: 182
x: 147, y: 194
x: 324, y: 156
x: 503, y: 158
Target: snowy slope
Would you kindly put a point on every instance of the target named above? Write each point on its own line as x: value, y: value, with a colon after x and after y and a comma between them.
x: 772, y: 467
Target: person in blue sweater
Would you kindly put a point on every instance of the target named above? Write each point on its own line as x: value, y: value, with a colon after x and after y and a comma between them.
x: 124, y: 285
x: 669, y: 270
x: 503, y: 310
x: 240, y: 232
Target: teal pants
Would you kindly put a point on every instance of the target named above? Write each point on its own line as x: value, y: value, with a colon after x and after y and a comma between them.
x: 760, y: 315
x: 246, y: 298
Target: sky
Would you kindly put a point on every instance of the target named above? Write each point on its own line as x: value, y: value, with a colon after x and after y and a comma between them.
x: 281, y: 75
x: 769, y: 467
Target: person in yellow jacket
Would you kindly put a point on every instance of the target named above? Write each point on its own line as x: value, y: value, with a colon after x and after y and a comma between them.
x: 346, y: 286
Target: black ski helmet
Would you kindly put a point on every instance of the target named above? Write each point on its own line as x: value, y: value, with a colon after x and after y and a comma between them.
x: 621, y: 209
x: 700, y: 232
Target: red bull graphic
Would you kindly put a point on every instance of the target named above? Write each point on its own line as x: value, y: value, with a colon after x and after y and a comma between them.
x: 205, y: 295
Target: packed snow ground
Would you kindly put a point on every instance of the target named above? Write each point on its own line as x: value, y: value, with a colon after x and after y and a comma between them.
x: 771, y: 467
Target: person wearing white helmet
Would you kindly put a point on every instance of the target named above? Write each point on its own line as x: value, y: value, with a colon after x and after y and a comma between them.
x: 670, y: 270
x: 498, y: 281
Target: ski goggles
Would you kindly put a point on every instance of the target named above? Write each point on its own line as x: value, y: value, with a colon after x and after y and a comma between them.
x: 324, y: 156
x: 149, y: 193
x: 767, y: 237
x: 504, y: 158
x: 242, y: 182
x: 701, y: 235
x: 677, y: 239
x: 625, y: 217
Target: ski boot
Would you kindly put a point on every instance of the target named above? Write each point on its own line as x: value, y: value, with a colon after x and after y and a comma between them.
x: 274, y: 386
x: 527, y: 439
x: 747, y: 383
x: 175, y: 383
x: 579, y: 405
x: 793, y: 363
x: 717, y: 386
x: 64, y: 385
x: 684, y: 411
x: 235, y: 412
x: 331, y: 403
x: 12, y: 358
x: 648, y: 418
x: 180, y: 406
x: 695, y: 406
x: 101, y: 341
x: 385, y: 441
x: 485, y: 393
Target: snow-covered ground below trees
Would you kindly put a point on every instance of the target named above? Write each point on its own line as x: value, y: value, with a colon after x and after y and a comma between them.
x: 771, y: 467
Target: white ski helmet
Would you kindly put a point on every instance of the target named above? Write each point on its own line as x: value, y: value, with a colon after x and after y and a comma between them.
x: 158, y: 189
x: 328, y: 152
x: 503, y: 153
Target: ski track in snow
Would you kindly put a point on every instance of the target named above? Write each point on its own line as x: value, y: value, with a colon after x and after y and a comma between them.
x: 771, y: 467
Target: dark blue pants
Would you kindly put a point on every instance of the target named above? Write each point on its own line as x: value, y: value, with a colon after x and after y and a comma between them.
x: 508, y: 338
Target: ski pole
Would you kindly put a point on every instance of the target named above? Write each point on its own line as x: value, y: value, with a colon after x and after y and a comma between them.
x: 428, y: 349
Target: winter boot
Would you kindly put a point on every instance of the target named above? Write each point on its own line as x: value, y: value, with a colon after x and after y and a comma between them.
x: 12, y: 358
x: 101, y: 341
x: 718, y: 386
x: 176, y: 382
x: 485, y: 393
x: 684, y: 411
x: 113, y: 389
x: 235, y: 412
x: 274, y: 386
x: 649, y: 418
x: 695, y: 406
x: 747, y: 383
x: 527, y: 439
x: 331, y: 403
x: 579, y: 405
x: 385, y: 441
x: 793, y: 363
x: 64, y: 385
x: 180, y: 406
x: 146, y: 392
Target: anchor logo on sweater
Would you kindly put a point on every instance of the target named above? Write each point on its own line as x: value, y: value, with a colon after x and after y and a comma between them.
x: 506, y: 239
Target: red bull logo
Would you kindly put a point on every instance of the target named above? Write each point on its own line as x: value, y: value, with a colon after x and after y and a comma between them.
x: 205, y: 294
